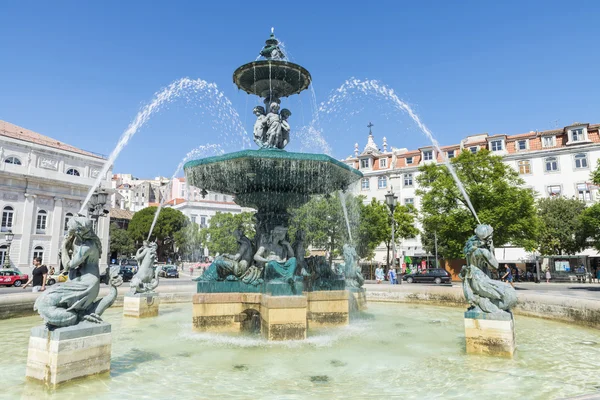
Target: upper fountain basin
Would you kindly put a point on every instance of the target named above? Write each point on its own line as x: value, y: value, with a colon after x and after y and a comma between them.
x: 249, y: 175
x: 272, y: 78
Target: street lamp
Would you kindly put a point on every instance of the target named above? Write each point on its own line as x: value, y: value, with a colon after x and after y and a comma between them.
x: 96, y: 206
x: 9, y: 238
x: 392, y: 201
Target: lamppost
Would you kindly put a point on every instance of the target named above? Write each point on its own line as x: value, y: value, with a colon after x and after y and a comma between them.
x: 9, y: 238
x: 392, y: 201
x: 96, y: 206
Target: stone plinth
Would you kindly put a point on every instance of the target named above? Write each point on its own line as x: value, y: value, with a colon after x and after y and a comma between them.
x: 490, y: 334
x: 222, y: 312
x: 357, y: 299
x: 141, y: 305
x: 283, y: 317
x: 68, y: 353
x: 327, y: 309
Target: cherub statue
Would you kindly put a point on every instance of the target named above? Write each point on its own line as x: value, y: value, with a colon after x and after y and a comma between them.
x: 285, y: 129
x: 260, y: 126
x: 273, y: 125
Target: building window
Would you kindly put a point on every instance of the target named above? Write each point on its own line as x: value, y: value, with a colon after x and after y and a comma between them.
x: 524, y: 167
x: 68, y: 217
x: 12, y: 160
x: 193, y: 218
x: 473, y: 149
x: 577, y: 135
x: 8, y: 215
x: 40, y: 226
x: 548, y: 141
x: 554, y: 190
x: 583, y: 192
x: 496, y: 145
x: 521, y: 145
x: 203, y: 221
x: 409, y: 200
x: 581, y: 161
x: 365, y: 163
x: 383, y: 163
x: 428, y: 155
x: 408, y: 180
x: 450, y: 153
x: 382, y: 182
x: 38, y: 252
x: 551, y: 164
x: 364, y: 184
x: 409, y: 160
x: 73, y: 171
x: 3, y: 253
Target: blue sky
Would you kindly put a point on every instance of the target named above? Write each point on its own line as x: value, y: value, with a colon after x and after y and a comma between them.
x: 80, y: 71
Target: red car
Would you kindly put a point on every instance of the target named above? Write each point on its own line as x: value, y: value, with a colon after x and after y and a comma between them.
x: 12, y: 278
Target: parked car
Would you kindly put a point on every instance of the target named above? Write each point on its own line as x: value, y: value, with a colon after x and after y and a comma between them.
x: 126, y: 272
x: 52, y: 279
x: 433, y: 275
x: 12, y: 277
x: 169, y: 271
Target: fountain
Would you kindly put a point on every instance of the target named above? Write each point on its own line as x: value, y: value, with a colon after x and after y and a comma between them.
x: 267, y: 276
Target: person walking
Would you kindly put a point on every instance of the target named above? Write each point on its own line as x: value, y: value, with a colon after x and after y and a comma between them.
x: 392, y: 276
x: 508, y: 277
x: 548, y: 276
x: 379, y: 274
x: 39, y: 274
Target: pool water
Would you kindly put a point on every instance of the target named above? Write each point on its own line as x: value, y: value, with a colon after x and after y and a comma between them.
x: 393, y: 351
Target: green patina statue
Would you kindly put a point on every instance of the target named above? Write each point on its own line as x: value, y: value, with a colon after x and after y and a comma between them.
x: 484, y: 294
x: 351, y: 269
x: 75, y: 300
x: 146, y: 278
x: 276, y: 256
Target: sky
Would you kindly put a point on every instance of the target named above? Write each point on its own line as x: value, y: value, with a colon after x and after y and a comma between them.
x: 81, y: 71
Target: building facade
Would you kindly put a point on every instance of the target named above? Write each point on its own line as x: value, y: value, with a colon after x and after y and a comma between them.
x: 556, y: 162
x: 43, y: 184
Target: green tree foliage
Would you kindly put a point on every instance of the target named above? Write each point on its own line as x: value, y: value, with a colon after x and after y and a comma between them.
x: 169, y: 223
x: 590, y: 221
x: 496, y: 192
x: 595, y: 175
x: 120, y: 242
x: 562, y: 229
x: 190, y: 242
x: 219, y: 238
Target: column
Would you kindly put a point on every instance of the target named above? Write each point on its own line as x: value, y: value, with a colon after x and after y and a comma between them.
x: 57, y: 231
x: 27, y: 227
x: 103, y: 228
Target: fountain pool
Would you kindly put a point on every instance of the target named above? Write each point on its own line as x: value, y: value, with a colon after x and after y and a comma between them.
x: 396, y: 350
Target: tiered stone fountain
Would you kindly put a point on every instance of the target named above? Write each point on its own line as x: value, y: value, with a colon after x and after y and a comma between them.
x: 269, y: 284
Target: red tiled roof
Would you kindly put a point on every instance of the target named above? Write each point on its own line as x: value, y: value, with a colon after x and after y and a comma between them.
x: 16, y: 132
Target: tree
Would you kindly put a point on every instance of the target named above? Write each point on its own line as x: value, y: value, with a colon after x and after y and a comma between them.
x: 562, y: 228
x: 169, y: 222
x: 373, y: 228
x: 496, y: 192
x: 219, y: 234
x: 120, y: 242
x: 590, y: 222
x: 595, y: 175
x: 404, y: 227
x: 189, y: 242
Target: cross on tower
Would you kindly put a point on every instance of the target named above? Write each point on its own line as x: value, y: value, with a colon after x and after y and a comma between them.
x: 370, y: 126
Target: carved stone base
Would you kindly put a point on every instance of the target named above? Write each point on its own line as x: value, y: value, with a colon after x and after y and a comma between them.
x: 327, y: 308
x: 490, y: 334
x: 357, y: 299
x: 283, y: 317
x: 223, y: 312
x: 141, y: 305
x: 68, y: 353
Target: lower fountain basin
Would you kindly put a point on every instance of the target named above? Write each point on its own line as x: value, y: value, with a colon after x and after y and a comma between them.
x: 395, y: 351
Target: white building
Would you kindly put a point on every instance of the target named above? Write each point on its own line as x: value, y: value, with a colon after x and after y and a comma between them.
x: 43, y: 183
x: 554, y: 162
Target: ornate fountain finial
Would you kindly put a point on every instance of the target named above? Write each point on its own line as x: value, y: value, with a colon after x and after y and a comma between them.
x: 271, y: 51
x: 272, y: 30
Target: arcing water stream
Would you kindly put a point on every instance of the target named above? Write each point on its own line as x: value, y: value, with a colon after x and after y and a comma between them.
x: 185, y: 86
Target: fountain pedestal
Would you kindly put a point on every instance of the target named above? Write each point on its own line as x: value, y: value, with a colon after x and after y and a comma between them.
x: 283, y: 317
x: 223, y: 312
x: 357, y: 299
x: 327, y: 309
x: 490, y: 334
x: 68, y: 353
x: 141, y: 305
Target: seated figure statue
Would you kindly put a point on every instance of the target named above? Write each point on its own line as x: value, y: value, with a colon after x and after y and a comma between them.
x: 276, y: 256
x: 484, y: 294
x: 231, y: 266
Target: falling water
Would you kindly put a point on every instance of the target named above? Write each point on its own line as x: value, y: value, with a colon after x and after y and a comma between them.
x: 343, y: 201
x: 184, y: 86
x: 201, y: 151
x: 371, y: 86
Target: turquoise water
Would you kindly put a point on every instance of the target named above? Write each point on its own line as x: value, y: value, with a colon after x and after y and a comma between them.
x: 395, y: 351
